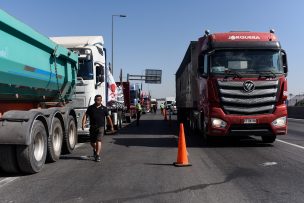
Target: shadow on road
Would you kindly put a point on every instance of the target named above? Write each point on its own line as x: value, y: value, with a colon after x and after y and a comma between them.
x: 191, y: 142
x: 86, y: 158
x: 150, y: 127
x: 146, y: 142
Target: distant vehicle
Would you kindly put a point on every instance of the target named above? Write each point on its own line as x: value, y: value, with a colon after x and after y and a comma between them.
x: 153, y: 102
x: 134, y: 98
x: 153, y: 105
x: 173, y: 108
x: 168, y: 102
x: 124, y: 97
x: 145, y: 102
x: 234, y: 83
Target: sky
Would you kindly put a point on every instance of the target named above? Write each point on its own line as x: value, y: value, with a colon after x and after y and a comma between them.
x: 155, y: 34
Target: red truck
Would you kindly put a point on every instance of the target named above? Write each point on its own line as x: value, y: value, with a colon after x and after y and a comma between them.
x: 124, y: 98
x: 145, y: 102
x: 234, y: 84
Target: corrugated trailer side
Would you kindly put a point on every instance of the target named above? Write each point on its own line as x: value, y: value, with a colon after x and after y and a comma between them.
x: 186, y: 86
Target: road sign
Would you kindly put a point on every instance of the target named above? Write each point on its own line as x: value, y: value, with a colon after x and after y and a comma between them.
x: 153, y: 76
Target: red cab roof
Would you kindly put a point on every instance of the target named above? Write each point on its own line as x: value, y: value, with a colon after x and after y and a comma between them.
x: 243, y: 36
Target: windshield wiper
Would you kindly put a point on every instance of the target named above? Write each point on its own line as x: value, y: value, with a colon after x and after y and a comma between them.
x: 267, y: 74
x: 232, y: 73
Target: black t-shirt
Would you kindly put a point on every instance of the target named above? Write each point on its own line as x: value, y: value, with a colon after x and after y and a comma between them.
x: 97, y: 115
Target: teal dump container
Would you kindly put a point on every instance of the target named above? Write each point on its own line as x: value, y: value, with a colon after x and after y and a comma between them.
x: 32, y: 67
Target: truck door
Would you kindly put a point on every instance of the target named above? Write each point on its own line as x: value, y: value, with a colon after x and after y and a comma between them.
x: 99, y: 80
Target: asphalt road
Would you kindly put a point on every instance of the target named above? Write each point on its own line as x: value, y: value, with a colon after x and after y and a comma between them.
x: 137, y: 166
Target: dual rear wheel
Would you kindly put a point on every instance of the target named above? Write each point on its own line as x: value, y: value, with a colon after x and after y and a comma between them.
x: 31, y: 158
x: 26, y: 158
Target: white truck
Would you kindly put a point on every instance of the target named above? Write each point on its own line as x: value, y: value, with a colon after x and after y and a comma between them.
x: 169, y: 101
x: 92, y: 73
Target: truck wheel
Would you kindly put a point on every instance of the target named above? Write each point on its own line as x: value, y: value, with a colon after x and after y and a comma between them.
x: 31, y: 158
x: 268, y: 139
x: 8, y: 161
x: 204, y: 130
x: 70, y: 139
x: 55, y: 141
x: 193, y: 126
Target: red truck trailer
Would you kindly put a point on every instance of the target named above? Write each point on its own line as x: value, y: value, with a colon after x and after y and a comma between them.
x: 125, y: 99
x: 234, y: 84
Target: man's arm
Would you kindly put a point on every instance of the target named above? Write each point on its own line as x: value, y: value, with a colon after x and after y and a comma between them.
x: 111, y: 123
x: 84, y: 120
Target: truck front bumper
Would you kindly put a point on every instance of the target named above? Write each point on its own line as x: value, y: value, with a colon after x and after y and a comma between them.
x: 259, y: 125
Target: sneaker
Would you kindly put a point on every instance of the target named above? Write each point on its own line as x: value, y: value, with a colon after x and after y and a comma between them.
x: 97, y: 158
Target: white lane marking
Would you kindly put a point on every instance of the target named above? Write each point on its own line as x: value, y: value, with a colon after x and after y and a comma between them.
x: 269, y: 163
x: 79, y: 145
x: 295, y: 119
x: 7, y: 180
x: 295, y: 145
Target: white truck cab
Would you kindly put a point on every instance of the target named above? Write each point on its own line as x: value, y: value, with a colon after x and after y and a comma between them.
x: 169, y: 101
x: 91, y: 77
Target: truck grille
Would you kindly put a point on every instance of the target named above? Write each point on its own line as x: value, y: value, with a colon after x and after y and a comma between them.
x: 260, y: 99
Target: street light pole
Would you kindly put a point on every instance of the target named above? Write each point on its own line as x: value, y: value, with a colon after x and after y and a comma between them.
x: 121, y: 16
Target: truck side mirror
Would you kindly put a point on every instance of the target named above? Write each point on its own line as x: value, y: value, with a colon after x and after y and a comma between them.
x: 284, y: 61
x: 201, y: 72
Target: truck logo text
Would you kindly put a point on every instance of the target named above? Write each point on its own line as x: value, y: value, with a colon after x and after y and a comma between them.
x: 248, y: 86
x: 235, y: 37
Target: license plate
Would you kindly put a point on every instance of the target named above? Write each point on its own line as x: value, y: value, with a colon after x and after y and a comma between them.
x: 250, y: 121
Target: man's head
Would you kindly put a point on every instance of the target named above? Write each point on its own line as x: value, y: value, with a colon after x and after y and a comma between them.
x: 98, y: 99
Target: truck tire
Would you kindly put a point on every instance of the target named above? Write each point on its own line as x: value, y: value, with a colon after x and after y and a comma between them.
x: 193, y: 126
x: 70, y: 138
x: 8, y: 161
x: 31, y: 158
x: 203, y: 130
x: 55, y: 141
x: 268, y: 139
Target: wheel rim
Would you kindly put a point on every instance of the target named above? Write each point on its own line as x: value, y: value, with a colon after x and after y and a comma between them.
x: 38, y: 147
x: 57, y: 139
x: 72, y: 134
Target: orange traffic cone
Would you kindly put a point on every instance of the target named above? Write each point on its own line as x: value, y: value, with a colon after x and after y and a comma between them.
x: 182, y: 155
x: 165, y: 116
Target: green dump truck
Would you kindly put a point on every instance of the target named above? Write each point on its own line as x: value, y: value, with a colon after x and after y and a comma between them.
x: 37, y: 81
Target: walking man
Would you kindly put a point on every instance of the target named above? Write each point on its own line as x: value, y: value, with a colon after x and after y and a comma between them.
x: 138, y: 112
x: 97, y: 113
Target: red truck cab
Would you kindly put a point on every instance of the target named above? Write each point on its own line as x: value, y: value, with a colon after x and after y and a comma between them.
x: 240, y: 88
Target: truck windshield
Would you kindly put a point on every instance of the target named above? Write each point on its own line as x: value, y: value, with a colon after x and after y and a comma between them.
x: 169, y: 102
x: 246, y: 61
x: 85, y: 69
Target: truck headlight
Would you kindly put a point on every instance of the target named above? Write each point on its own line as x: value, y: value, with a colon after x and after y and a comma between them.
x: 279, y: 122
x: 218, y: 123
